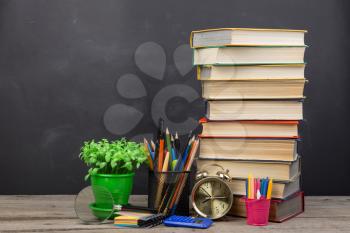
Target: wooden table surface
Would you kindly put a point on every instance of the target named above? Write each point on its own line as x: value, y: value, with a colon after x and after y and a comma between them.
x: 55, y: 213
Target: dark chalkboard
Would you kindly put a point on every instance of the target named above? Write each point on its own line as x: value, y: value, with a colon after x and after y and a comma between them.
x: 73, y: 70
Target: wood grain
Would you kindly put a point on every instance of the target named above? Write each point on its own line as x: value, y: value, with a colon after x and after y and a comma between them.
x: 55, y: 213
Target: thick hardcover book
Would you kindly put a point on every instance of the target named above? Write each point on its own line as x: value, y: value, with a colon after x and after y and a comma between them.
x: 246, y: 37
x: 265, y: 55
x: 264, y: 149
x: 249, y: 129
x: 277, y: 170
x: 251, y: 72
x: 253, y: 89
x: 254, y: 109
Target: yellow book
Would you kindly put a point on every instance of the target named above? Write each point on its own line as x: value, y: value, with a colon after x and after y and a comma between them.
x: 251, y: 72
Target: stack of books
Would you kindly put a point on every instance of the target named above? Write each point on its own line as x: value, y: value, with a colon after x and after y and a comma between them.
x: 253, y: 82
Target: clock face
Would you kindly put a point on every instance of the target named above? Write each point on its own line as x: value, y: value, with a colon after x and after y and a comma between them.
x: 211, y: 198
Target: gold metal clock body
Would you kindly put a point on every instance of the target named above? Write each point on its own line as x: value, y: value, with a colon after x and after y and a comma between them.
x: 211, y: 197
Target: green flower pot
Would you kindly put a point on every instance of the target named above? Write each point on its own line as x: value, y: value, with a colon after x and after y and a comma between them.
x: 101, y: 213
x: 119, y: 185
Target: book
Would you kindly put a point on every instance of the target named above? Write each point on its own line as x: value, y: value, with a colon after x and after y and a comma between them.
x: 280, y: 189
x: 247, y: 72
x: 248, y: 149
x: 246, y: 36
x: 249, y: 129
x: 244, y: 55
x: 277, y: 170
x: 130, y: 218
x: 280, y: 209
x: 253, y: 89
x: 255, y: 110
x: 138, y: 218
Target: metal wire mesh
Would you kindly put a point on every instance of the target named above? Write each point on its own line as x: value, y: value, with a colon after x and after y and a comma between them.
x: 164, y: 187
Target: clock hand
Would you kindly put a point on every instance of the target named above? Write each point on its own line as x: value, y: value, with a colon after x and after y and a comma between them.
x: 205, y: 191
x: 219, y: 197
x: 209, y: 198
x: 206, y: 199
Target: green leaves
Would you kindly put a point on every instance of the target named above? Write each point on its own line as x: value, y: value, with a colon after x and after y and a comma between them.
x: 114, y: 157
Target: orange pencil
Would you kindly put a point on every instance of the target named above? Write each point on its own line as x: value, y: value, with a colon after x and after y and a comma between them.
x: 149, y: 157
x: 161, y: 155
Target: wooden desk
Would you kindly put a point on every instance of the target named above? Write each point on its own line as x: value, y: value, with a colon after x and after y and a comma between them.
x: 55, y: 213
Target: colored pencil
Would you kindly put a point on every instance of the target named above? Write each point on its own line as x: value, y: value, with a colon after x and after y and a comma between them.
x: 150, y: 160
x: 162, y: 180
x: 249, y: 186
x: 149, y: 148
x: 269, y: 190
x: 153, y: 145
x: 168, y: 142
x: 252, y: 188
x: 161, y: 155
x: 183, y: 178
x: 186, y: 153
x: 177, y: 142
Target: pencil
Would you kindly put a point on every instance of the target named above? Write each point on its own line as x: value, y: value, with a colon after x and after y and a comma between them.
x: 161, y: 154
x: 162, y: 180
x: 177, y: 142
x: 166, y: 162
x: 249, y: 186
x: 179, y: 159
x: 149, y: 148
x: 182, y: 182
x: 150, y: 161
x: 153, y: 145
x: 246, y: 187
x: 269, y: 190
x: 168, y: 142
x: 186, y: 153
x: 188, y: 164
x: 264, y: 189
x: 258, y: 187
x: 255, y: 188
x: 173, y: 151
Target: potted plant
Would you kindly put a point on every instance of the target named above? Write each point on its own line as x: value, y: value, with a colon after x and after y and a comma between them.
x: 112, y: 165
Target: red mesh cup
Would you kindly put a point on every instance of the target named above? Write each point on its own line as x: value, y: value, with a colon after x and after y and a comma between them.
x: 257, y: 211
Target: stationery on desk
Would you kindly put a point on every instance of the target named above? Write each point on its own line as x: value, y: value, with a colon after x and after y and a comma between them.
x: 169, y: 159
x: 257, y: 188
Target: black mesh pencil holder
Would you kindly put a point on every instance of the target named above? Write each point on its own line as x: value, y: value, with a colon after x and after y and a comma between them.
x: 168, y: 192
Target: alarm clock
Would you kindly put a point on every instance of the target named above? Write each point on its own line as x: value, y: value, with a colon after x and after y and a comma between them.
x: 211, y: 196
